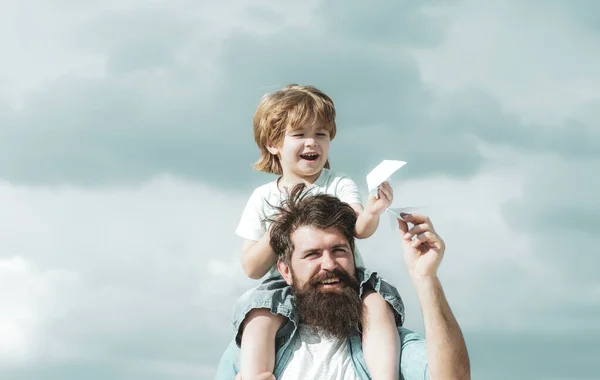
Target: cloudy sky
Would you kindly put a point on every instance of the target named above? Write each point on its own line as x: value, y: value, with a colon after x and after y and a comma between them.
x: 126, y: 150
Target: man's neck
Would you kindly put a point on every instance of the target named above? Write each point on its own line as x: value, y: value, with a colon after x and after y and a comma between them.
x: 313, y: 332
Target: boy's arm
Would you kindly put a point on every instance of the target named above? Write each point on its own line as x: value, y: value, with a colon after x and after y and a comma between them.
x: 257, y: 256
x: 366, y: 223
x: 368, y: 219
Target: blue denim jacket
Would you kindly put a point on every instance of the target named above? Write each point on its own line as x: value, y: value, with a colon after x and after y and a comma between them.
x: 413, y: 358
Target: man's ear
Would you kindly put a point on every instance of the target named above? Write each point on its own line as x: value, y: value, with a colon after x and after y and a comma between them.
x: 285, y: 271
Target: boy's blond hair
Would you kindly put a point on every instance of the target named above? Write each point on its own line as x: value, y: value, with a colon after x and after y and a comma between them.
x: 294, y: 106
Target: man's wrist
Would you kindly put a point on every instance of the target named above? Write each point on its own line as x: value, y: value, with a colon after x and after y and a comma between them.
x: 424, y: 281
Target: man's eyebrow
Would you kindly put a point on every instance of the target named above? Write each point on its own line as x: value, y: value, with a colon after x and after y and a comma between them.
x: 335, y: 246
x: 341, y: 245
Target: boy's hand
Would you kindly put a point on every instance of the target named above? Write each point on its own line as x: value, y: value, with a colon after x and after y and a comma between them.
x: 378, y: 205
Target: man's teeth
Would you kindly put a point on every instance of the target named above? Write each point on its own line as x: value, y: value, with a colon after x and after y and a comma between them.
x: 330, y: 281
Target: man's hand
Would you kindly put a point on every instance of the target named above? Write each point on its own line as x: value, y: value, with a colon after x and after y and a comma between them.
x: 377, y: 205
x: 262, y: 376
x: 422, y: 255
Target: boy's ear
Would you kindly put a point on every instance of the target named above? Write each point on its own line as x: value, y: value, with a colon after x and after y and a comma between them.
x: 273, y: 150
x: 284, y: 269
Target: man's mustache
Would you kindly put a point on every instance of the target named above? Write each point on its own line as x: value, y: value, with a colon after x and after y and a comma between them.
x: 338, y: 273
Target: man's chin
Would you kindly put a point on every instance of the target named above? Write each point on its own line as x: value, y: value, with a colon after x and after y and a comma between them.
x: 335, y: 310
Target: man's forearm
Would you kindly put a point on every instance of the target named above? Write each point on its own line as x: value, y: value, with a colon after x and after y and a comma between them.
x: 446, y: 348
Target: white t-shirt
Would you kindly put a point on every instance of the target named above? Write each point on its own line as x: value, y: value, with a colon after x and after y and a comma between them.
x: 257, y: 208
x: 318, y: 357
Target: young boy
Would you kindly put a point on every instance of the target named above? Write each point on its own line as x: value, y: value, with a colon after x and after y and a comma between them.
x: 293, y: 128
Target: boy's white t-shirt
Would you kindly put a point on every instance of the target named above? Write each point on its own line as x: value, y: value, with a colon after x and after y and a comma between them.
x: 257, y: 208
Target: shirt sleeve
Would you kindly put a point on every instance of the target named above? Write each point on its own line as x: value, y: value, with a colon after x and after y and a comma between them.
x: 347, y: 191
x: 250, y: 226
x: 413, y: 356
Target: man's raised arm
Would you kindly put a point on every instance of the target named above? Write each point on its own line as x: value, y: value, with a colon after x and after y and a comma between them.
x: 446, y: 347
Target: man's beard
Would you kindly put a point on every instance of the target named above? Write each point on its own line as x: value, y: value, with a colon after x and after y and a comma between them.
x: 334, y: 313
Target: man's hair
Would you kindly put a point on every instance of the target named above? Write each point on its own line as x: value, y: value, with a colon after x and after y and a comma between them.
x: 293, y: 107
x: 301, y: 209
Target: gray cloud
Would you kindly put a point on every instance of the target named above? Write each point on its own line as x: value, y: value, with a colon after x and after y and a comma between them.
x: 382, y: 22
x: 158, y: 111
x: 177, y: 98
x: 135, y: 124
x: 479, y: 114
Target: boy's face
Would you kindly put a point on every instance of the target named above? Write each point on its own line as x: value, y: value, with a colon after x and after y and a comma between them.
x: 304, y: 151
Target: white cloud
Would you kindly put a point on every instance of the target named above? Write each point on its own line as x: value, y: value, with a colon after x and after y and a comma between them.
x: 536, y: 59
x: 163, y: 257
x: 540, y: 64
x: 30, y: 297
x: 142, y: 258
x: 45, y: 40
x: 481, y: 248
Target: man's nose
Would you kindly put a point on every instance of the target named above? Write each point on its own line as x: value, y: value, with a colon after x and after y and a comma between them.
x: 327, y: 262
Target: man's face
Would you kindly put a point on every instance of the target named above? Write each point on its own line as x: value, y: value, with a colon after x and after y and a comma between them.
x: 318, y: 255
x: 322, y: 276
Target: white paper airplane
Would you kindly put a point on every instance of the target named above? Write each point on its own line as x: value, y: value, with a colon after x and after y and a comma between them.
x: 382, y: 173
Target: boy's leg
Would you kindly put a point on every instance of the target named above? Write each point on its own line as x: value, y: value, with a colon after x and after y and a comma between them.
x: 258, y: 342
x: 381, y: 341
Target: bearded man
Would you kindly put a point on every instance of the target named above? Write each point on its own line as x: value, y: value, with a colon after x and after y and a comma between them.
x: 313, y: 236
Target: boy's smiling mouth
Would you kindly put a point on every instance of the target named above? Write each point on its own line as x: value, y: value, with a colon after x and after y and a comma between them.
x: 309, y: 156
